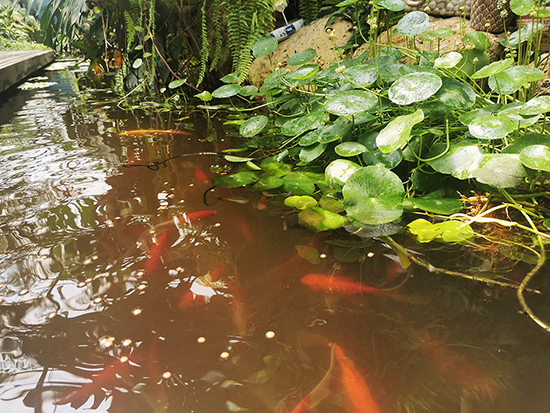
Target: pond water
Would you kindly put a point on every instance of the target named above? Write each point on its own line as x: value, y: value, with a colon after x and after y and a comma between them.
x: 128, y: 285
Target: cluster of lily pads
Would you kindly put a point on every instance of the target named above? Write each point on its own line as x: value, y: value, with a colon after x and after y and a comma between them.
x: 357, y: 144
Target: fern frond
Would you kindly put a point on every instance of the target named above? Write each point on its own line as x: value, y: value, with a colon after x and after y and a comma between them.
x: 204, y: 44
x: 309, y: 9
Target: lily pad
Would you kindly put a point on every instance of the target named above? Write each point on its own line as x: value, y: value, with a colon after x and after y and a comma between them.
x: 373, y: 155
x: 302, y: 57
x: 522, y: 7
x: 364, y: 75
x: 512, y: 79
x: 493, y: 68
x: 373, y: 195
x: 347, y: 149
x: 414, y: 87
x: 266, y: 183
x: 513, y: 111
x: 478, y: 39
x: 413, y: 24
x: 398, y: 132
x: 310, y: 153
x: 303, y: 124
x: 500, y: 170
x: 469, y: 117
x: 300, y: 202
x: 264, y: 46
x: 527, y: 32
x: 234, y: 180
x: 448, y: 60
x: 304, y: 72
x: 456, y: 94
x: 454, y: 231
x: 424, y: 230
x: 298, y: 187
x: 491, y: 127
x: 350, y: 103
x: 253, y: 126
x: 526, y: 140
x: 436, y: 34
x: 536, y: 157
x: 443, y: 206
x: 338, y: 172
x: 536, y: 106
x: 226, y: 91
x: 319, y: 219
x: 393, y: 5
x: 333, y: 132
x: 460, y: 160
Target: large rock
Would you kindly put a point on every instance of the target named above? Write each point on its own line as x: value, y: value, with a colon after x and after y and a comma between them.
x: 313, y: 36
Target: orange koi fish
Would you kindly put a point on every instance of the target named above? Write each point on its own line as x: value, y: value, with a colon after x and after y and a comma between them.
x: 193, y: 217
x: 146, y: 131
x: 201, y: 176
x: 155, y: 255
x: 262, y: 204
x: 338, y: 285
x: 355, y: 388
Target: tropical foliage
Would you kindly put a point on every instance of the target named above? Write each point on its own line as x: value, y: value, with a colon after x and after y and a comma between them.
x: 18, y: 31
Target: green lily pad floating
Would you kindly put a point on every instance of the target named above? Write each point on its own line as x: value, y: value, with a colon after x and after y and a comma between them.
x: 443, y: 206
x: 456, y: 94
x: 347, y: 149
x: 350, y: 103
x: 373, y: 195
x: 231, y: 77
x: 536, y: 157
x: 338, y: 172
x: 500, y: 170
x: 478, y: 39
x: 436, y: 34
x: 398, y: 132
x: 226, y: 91
x: 234, y: 180
x: 455, y: 231
x: 393, y: 5
x: 414, y: 87
x: 310, y: 153
x: 253, y: 126
x: 300, y: 202
x: 319, y: 219
x: 298, y: 187
x: 302, y: 57
x: 266, y: 183
x: 448, y: 60
x: 462, y: 158
x: 424, y: 230
x: 264, y: 46
x: 413, y: 24
x: 304, y: 72
x: 364, y: 75
x: 303, y: 124
x: 491, y: 127
x: 527, y: 32
x: 493, y: 68
x: 536, y: 106
x: 331, y: 204
x: 512, y: 79
x: 522, y: 7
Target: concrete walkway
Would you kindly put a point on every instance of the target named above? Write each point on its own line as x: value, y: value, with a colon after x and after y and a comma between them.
x: 15, y: 66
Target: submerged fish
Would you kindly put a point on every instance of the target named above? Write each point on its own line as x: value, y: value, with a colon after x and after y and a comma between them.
x: 201, y: 176
x: 146, y: 131
x: 338, y: 285
x: 155, y: 254
x: 187, y: 218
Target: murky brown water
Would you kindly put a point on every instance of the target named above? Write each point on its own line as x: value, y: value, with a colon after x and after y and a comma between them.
x: 109, y: 304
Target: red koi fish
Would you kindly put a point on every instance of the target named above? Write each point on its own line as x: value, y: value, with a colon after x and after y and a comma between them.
x: 338, y: 285
x: 146, y: 131
x: 193, y: 217
x: 155, y: 254
x: 262, y: 204
x: 201, y: 176
x: 355, y: 388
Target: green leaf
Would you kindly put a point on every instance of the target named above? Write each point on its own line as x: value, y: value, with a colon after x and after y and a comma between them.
x: 536, y: 106
x: 413, y: 24
x: 443, y: 206
x: 318, y: 219
x: 231, y: 77
x: 176, y: 83
x: 472, y: 60
x: 338, y: 172
x: 424, y: 230
x: 309, y: 253
x: 248, y: 90
x: 491, y: 127
x: 448, y: 60
x: 347, y: 149
x: 333, y: 131
x: 253, y: 126
x: 346, y: 3
x: 304, y: 72
x: 237, y: 159
x: 310, y: 153
x: 234, y: 180
x: 456, y: 94
x: 331, y: 204
x: 536, y: 157
x: 526, y: 140
x: 302, y: 57
x: 398, y: 132
x: 414, y: 87
x: 436, y: 34
x: 512, y: 111
x: 373, y: 195
x: 493, y: 68
x: 299, y: 187
x: 500, y: 170
x: 522, y: 7
x: 300, y: 202
x: 454, y: 231
x: 393, y: 5
x: 302, y: 124
x: 460, y: 160
x: 266, y: 183
x: 478, y: 39
x: 364, y: 75
x: 468, y: 117
x: 204, y: 96
x: 527, y: 32
x: 374, y: 155
x: 350, y: 103
x: 264, y: 46
x: 137, y: 63
x: 226, y: 91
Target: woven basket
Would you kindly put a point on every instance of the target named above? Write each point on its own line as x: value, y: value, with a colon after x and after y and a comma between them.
x: 485, y: 15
